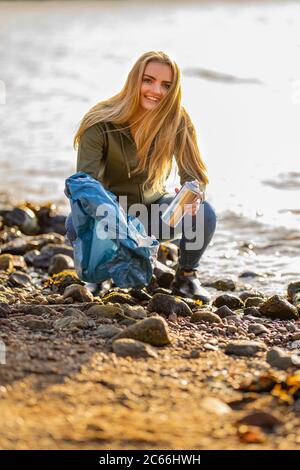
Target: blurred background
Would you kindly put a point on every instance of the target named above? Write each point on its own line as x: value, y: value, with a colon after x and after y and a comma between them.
x: 241, y: 84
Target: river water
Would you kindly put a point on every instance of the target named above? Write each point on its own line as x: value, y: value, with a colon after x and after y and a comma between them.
x: 240, y: 65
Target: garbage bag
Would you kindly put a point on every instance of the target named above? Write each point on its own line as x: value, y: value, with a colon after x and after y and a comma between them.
x: 109, y: 243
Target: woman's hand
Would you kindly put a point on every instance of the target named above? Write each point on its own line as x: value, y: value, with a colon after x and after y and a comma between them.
x: 194, y: 206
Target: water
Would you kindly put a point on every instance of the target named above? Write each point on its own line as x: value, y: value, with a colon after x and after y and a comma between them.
x: 241, y: 85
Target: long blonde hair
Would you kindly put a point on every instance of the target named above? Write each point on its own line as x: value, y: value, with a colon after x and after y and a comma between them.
x: 161, y: 133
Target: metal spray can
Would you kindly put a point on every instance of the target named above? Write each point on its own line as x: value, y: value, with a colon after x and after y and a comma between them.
x: 176, y: 210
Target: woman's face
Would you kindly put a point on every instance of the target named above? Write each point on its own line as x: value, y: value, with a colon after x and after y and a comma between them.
x: 157, y: 80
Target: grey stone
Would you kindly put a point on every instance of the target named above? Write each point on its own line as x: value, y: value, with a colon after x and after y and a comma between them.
x: 231, y: 301
x: 59, y: 263
x: 107, y: 331
x: 205, y: 316
x: 167, y: 304
x: 129, y: 347
x: 19, y: 279
x: 278, y: 307
x: 153, y: 331
x: 258, y: 329
x: 244, y: 348
x: 278, y: 358
x: 78, y: 292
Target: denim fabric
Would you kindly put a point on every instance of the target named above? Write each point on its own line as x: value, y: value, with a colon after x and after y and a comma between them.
x: 182, y: 235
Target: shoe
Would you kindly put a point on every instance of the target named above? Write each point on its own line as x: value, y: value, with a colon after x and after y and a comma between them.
x: 189, y: 286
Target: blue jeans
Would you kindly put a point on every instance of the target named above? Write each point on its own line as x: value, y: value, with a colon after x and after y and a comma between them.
x: 183, y: 236
x: 186, y: 233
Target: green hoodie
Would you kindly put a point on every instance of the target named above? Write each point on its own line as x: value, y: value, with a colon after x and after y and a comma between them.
x: 111, y: 157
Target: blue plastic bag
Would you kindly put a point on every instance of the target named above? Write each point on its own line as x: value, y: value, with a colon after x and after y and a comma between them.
x: 109, y: 244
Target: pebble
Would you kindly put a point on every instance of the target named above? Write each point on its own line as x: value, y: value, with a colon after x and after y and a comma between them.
x: 244, y: 348
x: 19, y: 279
x: 137, y: 312
x: 260, y: 419
x: 205, y: 316
x: 59, y: 263
x: 36, y: 324
x: 167, y: 304
x: 78, y: 293
x: 231, y: 301
x: 278, y: 307
x: 215, y: 406
x: 153, y: 331
x: 253, y: 301
x: 129, y: 347
x: 278, y: 358
x: 224, y: 284
x: 6, y: 263
x: 107, y: 331
x: 98, y: 312
x: 224, y: 311
x: 73, y: 318
x: 258, y: 329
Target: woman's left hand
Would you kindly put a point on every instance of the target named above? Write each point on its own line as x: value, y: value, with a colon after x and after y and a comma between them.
x: 194, y: 206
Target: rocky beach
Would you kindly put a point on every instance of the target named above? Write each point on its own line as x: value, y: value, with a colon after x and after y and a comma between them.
x: 138, y: 368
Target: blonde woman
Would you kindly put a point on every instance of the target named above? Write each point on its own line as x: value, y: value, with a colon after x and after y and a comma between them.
x: 128, y: 142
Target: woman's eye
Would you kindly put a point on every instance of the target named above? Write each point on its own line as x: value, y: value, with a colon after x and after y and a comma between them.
x: 146, y: 80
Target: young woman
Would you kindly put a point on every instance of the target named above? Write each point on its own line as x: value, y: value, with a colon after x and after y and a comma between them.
x: 128, y: 142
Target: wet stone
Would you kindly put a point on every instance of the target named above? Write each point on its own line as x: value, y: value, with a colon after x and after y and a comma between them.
x: 248, y: 274
x: 43, y: 259
x: 24, y: 218
x: 231, y: 301
x: 253, y: 301
x: 167, y: 304
x: 293, y: 289
x: 164, y: 275
x: 224, y: 285
x: 250, y: 293
x: 278, y: 307
x: 252, y: 311
x: 59, y: 263
x: 140, y: 294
